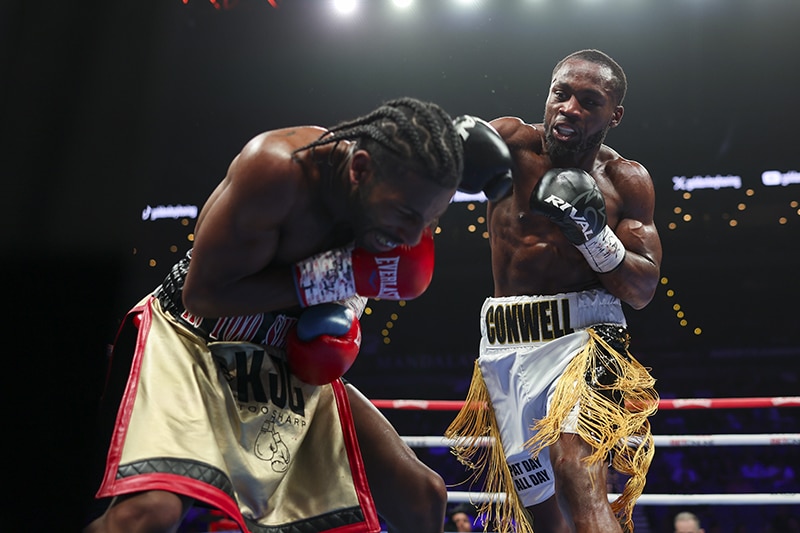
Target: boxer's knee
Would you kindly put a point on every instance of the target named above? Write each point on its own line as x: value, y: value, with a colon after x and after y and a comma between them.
x: 151, y: 512
x: 576, y: 478
x: 424, y: 506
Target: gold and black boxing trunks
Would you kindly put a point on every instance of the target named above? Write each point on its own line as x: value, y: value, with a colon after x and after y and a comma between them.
x: 227, y: 424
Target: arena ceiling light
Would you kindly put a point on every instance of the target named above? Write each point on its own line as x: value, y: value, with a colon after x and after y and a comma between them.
x: 345, y: 7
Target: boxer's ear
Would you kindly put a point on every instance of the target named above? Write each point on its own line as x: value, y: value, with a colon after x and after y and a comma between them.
x: 361, y: 167
x: 616, y: 118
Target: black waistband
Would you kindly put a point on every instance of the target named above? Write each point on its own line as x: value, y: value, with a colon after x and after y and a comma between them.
x: 263, y: 328
x: 170, y: 292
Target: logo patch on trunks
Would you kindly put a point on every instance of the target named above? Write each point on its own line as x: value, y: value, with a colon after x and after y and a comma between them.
x: 528, y: 473
x: 542, y: 320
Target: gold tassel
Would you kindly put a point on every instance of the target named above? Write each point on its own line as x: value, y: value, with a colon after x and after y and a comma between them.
x: 473, y: 428
x: 607, y: 425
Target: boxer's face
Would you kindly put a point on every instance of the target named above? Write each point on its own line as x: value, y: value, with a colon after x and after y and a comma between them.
x: 395, y: 209
x: 580, y: 108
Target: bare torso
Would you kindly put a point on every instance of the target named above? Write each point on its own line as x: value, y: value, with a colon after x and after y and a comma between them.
x: 530, y: 255
x: 271, y: 210
x: 293, y: 196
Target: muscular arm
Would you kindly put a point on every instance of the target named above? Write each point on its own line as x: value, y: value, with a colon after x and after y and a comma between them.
x: 636, y: 279
x: 514, y: 131
x: 233, y: 269
x: 531, y: 256
x: 520, y: 137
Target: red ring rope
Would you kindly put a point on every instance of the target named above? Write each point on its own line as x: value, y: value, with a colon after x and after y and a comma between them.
x: 690, y: 403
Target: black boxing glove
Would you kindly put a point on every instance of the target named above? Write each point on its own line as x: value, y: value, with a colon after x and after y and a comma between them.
x: 571, y: 199
x: 487, y: 160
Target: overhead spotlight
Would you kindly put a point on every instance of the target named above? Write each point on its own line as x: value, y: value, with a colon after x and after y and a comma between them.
x: 402, y: 3
x: 345, y: 7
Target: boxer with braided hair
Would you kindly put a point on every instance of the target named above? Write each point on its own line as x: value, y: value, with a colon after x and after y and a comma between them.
x: 412, y: 133
x: 225, y: 384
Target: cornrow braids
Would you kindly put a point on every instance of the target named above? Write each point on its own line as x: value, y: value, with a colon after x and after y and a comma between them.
x: 405, y: 134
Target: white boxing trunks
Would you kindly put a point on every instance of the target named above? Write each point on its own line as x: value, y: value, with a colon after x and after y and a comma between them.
x: 526, y: 343
x: 550, y: 365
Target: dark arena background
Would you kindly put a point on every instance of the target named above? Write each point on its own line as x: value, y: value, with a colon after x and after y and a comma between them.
x: 119, y: 118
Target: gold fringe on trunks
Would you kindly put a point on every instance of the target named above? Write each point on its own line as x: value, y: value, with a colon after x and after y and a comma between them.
x: 614, y: 431
x: 605, y: 420
x: 471, y: 427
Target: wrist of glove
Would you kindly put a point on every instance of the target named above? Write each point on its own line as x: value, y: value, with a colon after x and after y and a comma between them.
x: 356, y: 303
x: 325, y: 277
x: 604, y: 252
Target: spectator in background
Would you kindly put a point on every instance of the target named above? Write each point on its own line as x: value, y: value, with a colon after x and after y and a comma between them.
x: 686, y: 522
x: 461, y: 518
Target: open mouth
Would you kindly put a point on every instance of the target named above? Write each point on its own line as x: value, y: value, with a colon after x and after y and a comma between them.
x: 384, y: 243
x: 564, y: 133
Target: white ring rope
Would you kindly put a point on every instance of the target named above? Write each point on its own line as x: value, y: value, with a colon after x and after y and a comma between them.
x: 764, y: 439
x: 659, y: 499
x: 767, y: 439
x: 663, y: 403
x: 667, y: 441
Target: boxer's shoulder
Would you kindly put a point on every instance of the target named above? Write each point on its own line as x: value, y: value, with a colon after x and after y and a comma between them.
x: 519, y: 134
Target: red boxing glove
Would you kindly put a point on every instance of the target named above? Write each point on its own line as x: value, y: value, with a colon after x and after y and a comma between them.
x: 403, y: 273
x: 324, y: 343
x: 399, y: 274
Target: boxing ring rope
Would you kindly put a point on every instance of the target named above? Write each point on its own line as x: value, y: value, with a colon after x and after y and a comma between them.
x: 663, y: 404
x: 764, y: 439
x: 661, y: 499
x: 667, y: 441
